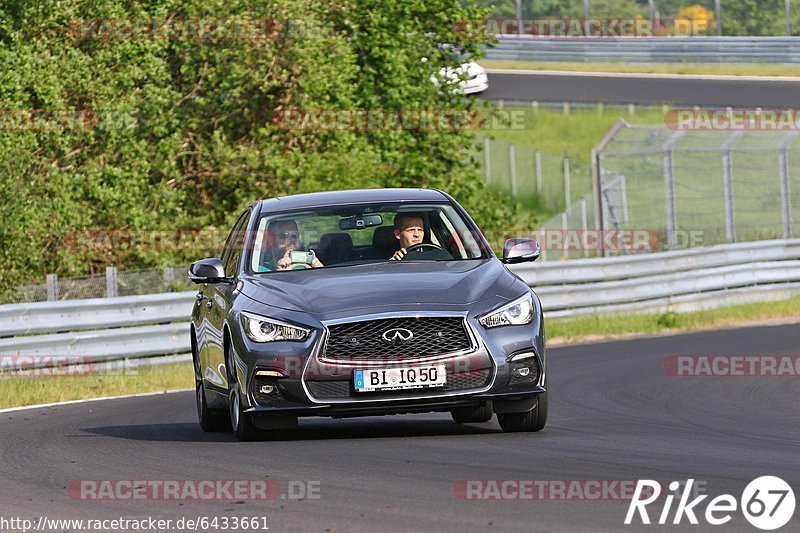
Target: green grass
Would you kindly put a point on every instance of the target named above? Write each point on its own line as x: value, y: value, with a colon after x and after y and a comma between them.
x: 753, y: 69
x: 563, y: 331
x: 17, y: 391
x: 554, y: 133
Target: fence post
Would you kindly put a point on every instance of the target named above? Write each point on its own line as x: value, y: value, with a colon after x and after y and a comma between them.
x: 169, y: 277
x: 584, y: 228
x: 786, y: 197
x: 727, y: 182
x: 669, y: 190
x: 669, y: 196
x: 567, y: 193
x: 52, y: 287
x: 538, y: 160
x: 564, y: 229
x: 597, y: 180
x: 487, y: 160
x: 512, y: 161
x: 111, y: 282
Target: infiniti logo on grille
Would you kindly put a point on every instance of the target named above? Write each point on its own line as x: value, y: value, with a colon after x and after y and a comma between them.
x: 397, y: 336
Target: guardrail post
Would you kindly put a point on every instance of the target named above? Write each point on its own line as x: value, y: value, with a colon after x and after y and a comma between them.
x: 111, y: 282
x: 52, y: 287
x: 786, y: 197
x: 512, y: 161
x: 567, y: 192
x: 538, y: 161
x: 487, y: 160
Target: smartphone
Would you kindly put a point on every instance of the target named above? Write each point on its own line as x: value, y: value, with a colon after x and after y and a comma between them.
x: 301, y: 257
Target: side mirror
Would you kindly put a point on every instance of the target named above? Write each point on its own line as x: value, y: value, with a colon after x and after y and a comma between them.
x: 207, y: 271
x: 519, y: 250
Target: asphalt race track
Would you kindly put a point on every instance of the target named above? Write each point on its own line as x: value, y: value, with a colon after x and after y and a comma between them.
x: 615, y: 414
x: 642, y: 90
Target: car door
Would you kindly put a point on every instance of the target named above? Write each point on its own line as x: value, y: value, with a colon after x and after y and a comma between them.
x: 218, y: 302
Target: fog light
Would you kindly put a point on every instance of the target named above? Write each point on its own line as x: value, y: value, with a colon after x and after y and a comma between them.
x: 524, y: 371
x: 266, y: 389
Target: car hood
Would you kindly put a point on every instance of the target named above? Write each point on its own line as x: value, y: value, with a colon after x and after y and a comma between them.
x: 330, y: 293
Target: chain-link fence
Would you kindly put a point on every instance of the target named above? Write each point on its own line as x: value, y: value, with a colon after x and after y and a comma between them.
x: 698, y: 188
x: 530, y: 175
x: 113, y: 283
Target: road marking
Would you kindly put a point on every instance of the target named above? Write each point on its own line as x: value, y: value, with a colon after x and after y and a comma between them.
x: 711, y: 77
x: 87, y: 400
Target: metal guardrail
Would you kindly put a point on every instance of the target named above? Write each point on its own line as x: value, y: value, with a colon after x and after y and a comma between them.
x: 138, y: 327
x: 648, y: 50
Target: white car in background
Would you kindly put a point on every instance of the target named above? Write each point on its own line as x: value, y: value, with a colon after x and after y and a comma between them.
x: 469, y: 78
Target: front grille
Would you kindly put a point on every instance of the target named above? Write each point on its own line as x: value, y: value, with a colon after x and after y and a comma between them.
x: 336, y: 389
x: 362, y: 341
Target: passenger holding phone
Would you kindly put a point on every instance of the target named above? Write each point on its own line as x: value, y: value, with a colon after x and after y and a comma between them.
x: 287, y: 238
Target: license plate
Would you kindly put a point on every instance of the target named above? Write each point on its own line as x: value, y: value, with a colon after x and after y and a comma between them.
x: 414, y: 377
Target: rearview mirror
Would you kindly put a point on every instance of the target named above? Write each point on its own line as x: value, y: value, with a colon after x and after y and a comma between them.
x: 519, y: 250
x: 207, y: 271
x: 360, y: 222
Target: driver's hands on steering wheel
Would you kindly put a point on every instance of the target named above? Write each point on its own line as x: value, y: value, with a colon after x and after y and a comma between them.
x: 398, y: 255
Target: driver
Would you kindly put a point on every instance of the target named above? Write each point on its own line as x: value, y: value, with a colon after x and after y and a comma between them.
x: 409, y: 230
x: 286, y: 238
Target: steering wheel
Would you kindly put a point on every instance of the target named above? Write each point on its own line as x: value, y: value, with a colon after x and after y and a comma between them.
x: 294, y: 266
x: 422, y: 246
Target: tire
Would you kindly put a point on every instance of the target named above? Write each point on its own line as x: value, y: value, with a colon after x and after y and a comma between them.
x: 242, y: 423
x: 472, y: 414
x: 210, y: 420
x: 533, y: 420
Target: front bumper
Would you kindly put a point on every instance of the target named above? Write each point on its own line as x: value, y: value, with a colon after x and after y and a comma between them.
x: 292, y: 379
x: 476, y: 85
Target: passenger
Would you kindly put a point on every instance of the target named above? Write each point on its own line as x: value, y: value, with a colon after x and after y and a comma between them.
x: 281, y: 240
x: 409, y: 229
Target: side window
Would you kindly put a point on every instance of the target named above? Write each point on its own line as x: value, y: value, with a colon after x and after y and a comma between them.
x: 235, y: 244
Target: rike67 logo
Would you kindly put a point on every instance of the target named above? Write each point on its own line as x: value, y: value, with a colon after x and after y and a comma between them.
x: 767, y: 503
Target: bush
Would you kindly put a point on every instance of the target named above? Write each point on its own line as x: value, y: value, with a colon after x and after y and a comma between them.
x: 129, y: 133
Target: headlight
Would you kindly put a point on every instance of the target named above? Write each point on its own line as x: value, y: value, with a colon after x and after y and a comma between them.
x: 517, y: 313
x: 261, y: 329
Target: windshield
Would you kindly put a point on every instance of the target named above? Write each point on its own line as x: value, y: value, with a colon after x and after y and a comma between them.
x: 360, y: 234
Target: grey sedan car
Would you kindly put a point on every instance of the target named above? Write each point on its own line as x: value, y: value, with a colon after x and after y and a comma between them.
x: 363, y: 303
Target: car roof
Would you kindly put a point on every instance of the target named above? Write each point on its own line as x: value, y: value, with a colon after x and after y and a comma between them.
x: 334, y: 198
